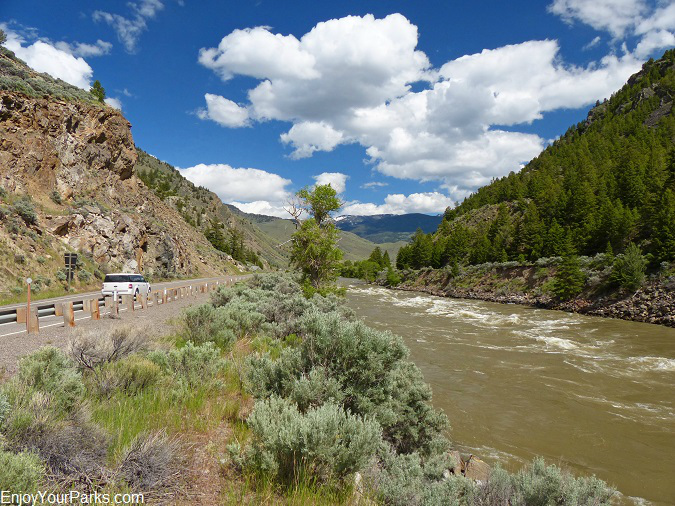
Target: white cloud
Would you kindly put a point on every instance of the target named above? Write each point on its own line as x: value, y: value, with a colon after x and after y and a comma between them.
x: 374, y: 184
x: 100, y: 48
x: 129, y: 29
x: 239, y: 184
x: 337, y: 180
x: 431, y: 202
x: 309, y: 136
x: 223, y: 111
x: 114, y: 102
x: 653, y: 24
x: 653, y: 40
x: 349, y: 80
x: 263, y: 207
x: 44, y: 57
x: 596, y: 40
x: 614, y: 16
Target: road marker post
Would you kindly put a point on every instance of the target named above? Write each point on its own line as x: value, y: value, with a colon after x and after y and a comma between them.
x: 28, y: 314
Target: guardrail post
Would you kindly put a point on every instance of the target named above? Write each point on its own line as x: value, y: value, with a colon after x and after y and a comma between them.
x: 33, y: 324
x: 128, y: 302
x: 58, y: 310
x: 144, y: 301
x: 85, y: 305
x: 155, y: 299
x: 95, y: 310
x: 68, y: 315
x: 20, y: 315
x: 164, y: 296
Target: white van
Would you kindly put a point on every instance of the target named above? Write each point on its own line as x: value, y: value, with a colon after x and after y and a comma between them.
x: 125, y: 284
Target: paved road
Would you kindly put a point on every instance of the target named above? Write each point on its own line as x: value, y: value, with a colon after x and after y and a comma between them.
x: 10, y: 329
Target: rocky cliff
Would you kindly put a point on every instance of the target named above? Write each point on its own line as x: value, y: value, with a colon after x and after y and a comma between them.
x: 68, y: 184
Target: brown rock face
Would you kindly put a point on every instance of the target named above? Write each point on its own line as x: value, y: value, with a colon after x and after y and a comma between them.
x: 84, y: 156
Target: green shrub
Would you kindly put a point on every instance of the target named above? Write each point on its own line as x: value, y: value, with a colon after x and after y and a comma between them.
x: 130, y: 375
x: 192, y: 364
x: 50, y: 371
x: 21, y: 472
x: 24, y: 208
x: 393, y: 278
x: 56, y: 197
x: 372, y: 371
x: 84, y: 275
x: 325, y: 443
x: 202, y: 324
x: 628, y: 270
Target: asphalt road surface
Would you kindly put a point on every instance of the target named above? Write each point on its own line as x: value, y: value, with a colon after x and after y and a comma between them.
x: 10, y: 329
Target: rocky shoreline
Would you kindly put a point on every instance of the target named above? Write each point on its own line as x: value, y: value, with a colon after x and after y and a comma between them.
x: 653, y: 303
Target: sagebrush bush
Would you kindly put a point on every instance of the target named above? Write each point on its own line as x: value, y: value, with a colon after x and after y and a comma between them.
x: 372, y: 371
x: 91, y: 349
x: 628, y: 270
x: 25, y: 209
x: 204, y: 323
x: 21, y: 472
x: 130, y: 375
x: 324, y: 444
x: 50, y: 371
x: 192, y: 365
x: 70, y: 444
x: 150, y: 462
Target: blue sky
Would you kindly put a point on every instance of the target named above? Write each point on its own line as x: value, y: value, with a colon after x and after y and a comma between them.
x: 403, y: 106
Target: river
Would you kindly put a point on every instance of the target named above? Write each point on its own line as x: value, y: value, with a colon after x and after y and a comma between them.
x: 594, y: 395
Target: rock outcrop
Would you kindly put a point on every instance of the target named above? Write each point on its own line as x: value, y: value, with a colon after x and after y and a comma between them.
x: 75, y: 161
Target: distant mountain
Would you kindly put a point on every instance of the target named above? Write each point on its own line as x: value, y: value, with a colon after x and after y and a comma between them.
x: 381, y: 228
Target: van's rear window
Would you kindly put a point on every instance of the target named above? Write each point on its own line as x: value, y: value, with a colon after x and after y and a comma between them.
x: 116, y: 278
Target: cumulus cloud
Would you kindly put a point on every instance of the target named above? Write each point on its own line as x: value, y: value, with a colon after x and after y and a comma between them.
x: 45, y: 57
x: 310, y: 136
x: 129, y: 29
x: 614, y: 16
x: 263, y: 207
x: 349, y: 80
x: 653, y: 24
x: 223, y: 111
x: 239, y: 184
x: 431, y: 202
x: 337, y: 180
x: 114, y: 102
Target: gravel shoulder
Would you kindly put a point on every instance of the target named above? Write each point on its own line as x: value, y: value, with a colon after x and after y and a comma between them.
x: 159, y: 319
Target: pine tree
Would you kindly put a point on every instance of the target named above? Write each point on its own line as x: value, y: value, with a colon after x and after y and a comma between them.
x: 569, y: 279
x: 98, y: 91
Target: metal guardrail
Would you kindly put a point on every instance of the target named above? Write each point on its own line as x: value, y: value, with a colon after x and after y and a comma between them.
x: 158, y: 297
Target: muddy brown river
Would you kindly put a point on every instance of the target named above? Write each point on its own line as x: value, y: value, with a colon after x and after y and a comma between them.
x: 594, y: 395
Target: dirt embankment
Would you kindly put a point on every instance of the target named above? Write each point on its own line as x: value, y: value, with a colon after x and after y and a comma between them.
x: 654, y: 302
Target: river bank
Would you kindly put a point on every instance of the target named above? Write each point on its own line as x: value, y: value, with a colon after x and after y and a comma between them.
x: 529, y: 285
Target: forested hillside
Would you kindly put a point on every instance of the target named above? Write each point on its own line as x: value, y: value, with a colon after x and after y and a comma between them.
x: 608, y: 182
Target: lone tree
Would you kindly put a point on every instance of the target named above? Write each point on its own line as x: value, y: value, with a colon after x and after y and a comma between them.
x: 314, y: 248
x: 98, y: 91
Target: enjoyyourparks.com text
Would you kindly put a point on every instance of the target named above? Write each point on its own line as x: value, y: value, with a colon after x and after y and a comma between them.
x: 72, y: 497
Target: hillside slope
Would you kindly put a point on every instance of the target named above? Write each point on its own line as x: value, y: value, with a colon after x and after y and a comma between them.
x: 609, y: 181
x: 68, y: 185
x: 205, y: 212
x: 353, y: 246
